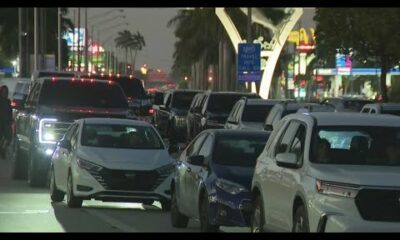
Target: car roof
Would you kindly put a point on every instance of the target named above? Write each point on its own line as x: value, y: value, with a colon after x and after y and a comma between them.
x: 236, y: 132
x: 117, y: 121
x: 42, y: 79
x: 352, y: 119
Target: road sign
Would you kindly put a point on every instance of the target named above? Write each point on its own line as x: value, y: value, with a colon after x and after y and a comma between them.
x: 249, y: 62
x: 7, y: 70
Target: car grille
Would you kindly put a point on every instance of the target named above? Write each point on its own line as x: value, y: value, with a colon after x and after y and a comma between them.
x: 126, y: 180
x: 379, y: 204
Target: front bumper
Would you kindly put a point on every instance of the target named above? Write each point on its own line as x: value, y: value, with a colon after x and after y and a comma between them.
x: 230, y: 210
x: 90, y: 186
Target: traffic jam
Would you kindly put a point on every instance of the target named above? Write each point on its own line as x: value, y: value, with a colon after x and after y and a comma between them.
x: 220, y: 158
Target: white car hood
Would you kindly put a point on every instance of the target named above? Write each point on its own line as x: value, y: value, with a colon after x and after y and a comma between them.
x: 126, y: 159
x: 356, y: 174
x: 253, y: 125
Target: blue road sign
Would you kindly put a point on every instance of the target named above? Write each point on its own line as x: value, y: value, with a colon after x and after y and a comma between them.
x: 7, y: 70
x: 249, y: 62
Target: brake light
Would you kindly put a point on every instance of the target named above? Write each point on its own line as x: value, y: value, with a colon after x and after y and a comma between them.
x: 130, y: 76
x: 109, y: 82
x: 73, y: 79
x: 82, y: 79
x: 118, y: 75
x: 130, y: 98
x: 151, y: 111
x: 53, y: 79
x: 92, y: 80
x: 13, y: 104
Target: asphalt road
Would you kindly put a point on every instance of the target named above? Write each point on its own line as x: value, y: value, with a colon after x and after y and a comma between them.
x: 26, y: 209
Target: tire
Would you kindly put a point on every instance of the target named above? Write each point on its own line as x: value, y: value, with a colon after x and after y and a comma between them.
x: 19, y: 165
x: 178, y: 220
x: 55, y: 194
x: 36, y: 178
x: 205, y: 225
x: 72, y: 200
x: 257, y: 216
x: 148, y: 202
x: 165, y: 205
x: 300, y: 220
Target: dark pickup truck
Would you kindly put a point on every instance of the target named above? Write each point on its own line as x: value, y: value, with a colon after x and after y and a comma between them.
x: 51, y: 106
x: 170, y: 115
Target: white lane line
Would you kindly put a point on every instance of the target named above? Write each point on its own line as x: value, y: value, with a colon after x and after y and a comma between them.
x: 27, y: 212
x: 110, y: 220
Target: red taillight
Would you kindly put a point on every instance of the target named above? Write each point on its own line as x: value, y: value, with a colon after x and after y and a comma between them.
x: 118, y: 75
x: 109, y: 82
x: 82, y: 79
x: 151, y: 111
x: 53, y: 79
x: 73, y: 79
x: 130, y: 98
x: 13, y: 104
x: 92, y: 80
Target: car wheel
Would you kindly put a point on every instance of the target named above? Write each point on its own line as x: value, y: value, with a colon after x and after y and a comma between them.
x: 19, y: 166
x: 72, y: 200
x: 205, y: 225
x: 300, y: 220
x: 178, y: 220
x: 55, y: 194
x: 257, y: 216
x: 35, y: 178
x: 165, y: 205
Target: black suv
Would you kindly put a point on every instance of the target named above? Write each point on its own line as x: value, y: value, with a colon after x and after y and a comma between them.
x: 170, y: 116
x: 211, y: 110
x: 51, y: 106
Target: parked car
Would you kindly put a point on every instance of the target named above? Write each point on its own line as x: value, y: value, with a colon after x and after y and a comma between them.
x: 316, y: 107
x: 382, y: 108
x: 347, y: 104
x: 170, y: 116
x: 213, y: 178
x: 194, y: 109
x: 329, y: 172
x: 117, y: 160
x: 279, y: 111
x: 250, y: 113
x: 213, y: 110
x: 51, y: 106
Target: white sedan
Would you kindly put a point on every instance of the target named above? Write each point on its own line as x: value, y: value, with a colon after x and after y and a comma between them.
x: 116, y: 160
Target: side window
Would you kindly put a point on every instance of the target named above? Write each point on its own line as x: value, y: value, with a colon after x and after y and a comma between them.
x: 167, y: 99
x: 31, y: 93
x: 297, y: 146
x: 74, y: 138
x: 365, y: 110
x: 373, y: 111
x: 284, y: 143
x: 206, y: 149
x: 194, y: 102
x: 203, y: 104
x: 36, y: 94
x: 195, y: 147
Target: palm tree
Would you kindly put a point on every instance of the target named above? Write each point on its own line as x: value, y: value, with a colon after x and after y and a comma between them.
x: 132, y: 42
x: 136, y: 45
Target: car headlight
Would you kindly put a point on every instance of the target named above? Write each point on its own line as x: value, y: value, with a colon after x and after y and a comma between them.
x: 230, y: 187
x: 336, y: 189
x: 89, y: 166
x: 46, y: 130
x: 167, y: 169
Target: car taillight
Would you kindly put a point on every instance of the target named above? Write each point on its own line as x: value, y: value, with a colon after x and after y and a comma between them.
x: 151, y: 111
x: 14, y: 104
x: 130, y: 98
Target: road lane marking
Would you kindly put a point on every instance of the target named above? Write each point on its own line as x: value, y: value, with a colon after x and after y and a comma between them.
x: 27, y: 212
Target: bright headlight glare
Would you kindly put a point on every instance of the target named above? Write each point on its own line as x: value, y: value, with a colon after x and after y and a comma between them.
x: 336, y: 189
x: 230, y: 187
x: 84, y: 164
x: 45, y: 130
x: 49, y: 137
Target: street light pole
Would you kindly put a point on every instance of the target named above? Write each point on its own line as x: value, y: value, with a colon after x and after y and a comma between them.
x: 86, y: 43
x: 79, y: 42
x: 20, y: 46
x: 59, y: 39
x: 36, y: 40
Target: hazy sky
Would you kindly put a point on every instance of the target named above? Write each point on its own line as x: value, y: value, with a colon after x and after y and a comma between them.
x: 152, y: 23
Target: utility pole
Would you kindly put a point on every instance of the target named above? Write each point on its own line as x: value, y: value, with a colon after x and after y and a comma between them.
x: 86, y: 43
x: 248, y: 38
x: 20, y: 45
x: 59, y: 68
x: 73, y: 43
x: 79, y: 42
x: 36, y: 40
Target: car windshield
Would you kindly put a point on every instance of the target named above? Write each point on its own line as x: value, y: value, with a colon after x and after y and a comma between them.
x: 120, y: 136
x: 222, y: 103
x: 355, y: 105
x: 182, y: 100
x: 256, y: 113
x: 133, y: 88
x: 357, y: 145
x: 77, y: 94
x: 239, y: 150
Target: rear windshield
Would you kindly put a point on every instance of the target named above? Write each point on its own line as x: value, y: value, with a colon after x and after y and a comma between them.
x: 256, y: 113
x: 222, y: 103
x: 239, y: 150
x: 78, y: 94
x: 355, y: 105
x: 120, y: 136
x: 22, y: 88
x: 133, y: 88
x: 182, y: 100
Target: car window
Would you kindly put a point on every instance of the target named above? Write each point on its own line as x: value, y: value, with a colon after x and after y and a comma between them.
x: 222, y: 103
x: 297, y: 146
x: 70, y: 131
x: 74, y: 138
x: 256, y: 113
x: 182, y: 100
x: 286, y: 138
x: 195, y: 146
x: 373, y: 111
x: 206, y: 148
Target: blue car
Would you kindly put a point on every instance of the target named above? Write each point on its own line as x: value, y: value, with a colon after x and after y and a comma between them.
x: 213, y: 179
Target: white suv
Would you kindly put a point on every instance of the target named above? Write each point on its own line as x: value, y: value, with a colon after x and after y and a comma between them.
x: 329, y: 172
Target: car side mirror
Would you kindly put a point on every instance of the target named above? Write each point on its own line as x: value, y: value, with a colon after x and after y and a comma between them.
x: 65, y: 144
x: 173, y: 148
x: 288, y: 160
x: 197, y: 160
